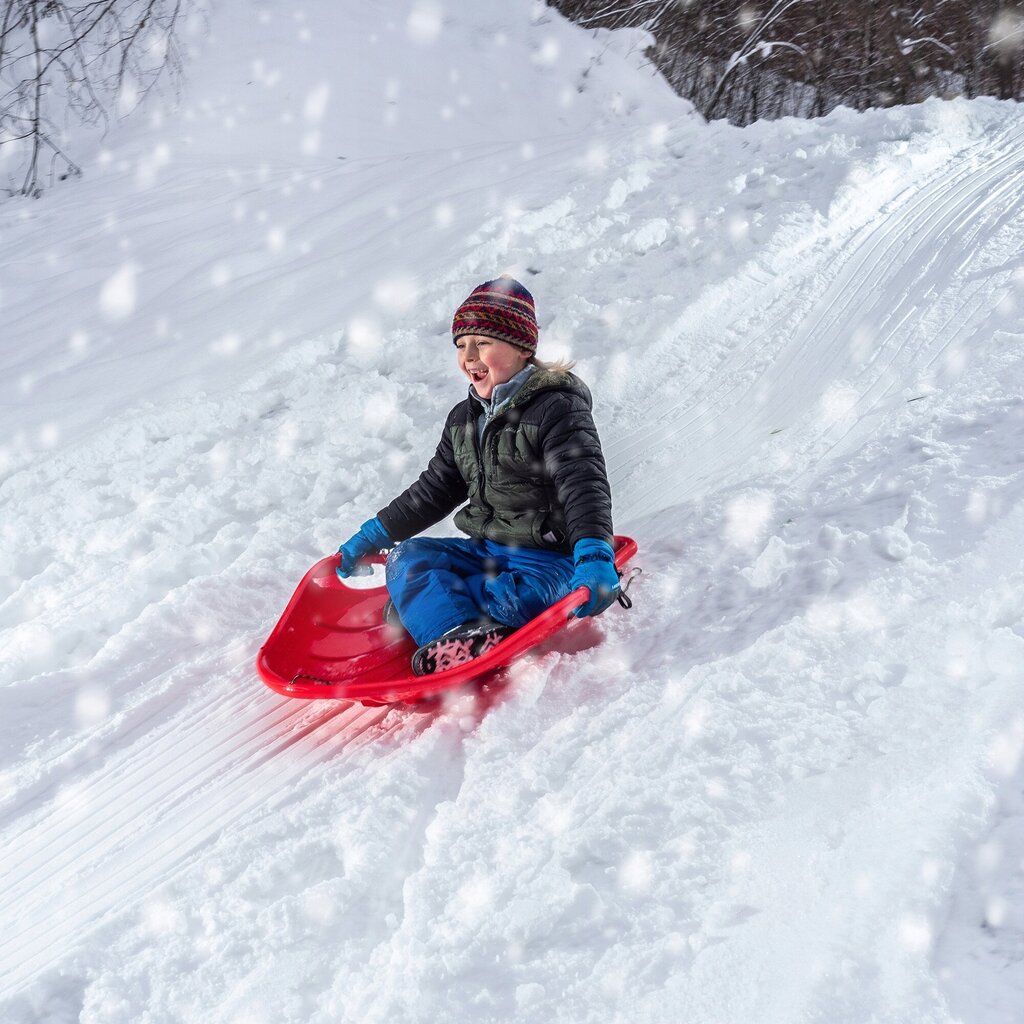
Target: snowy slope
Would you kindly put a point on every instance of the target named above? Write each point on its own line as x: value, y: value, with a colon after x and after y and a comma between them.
x: 785, y: 787
x: 318, y: 171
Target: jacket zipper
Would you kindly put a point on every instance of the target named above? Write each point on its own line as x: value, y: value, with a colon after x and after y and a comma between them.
x: 478, y: 449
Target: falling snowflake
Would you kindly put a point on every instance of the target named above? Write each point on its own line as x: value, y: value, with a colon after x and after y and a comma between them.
x: 118, y: 294
x: 1006, y: 34
x: 425, y: 22
x: 915, y: 933
x: 636, y: 872
x: 747, y: 517
x: 92, y: 705
x: 548, y: 52
x: 315, y: 105
x: 1005, y: 752
x: 397, y: 294
x: 837, y: 403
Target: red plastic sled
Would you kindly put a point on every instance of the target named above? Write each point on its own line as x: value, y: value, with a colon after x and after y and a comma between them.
x: 331, y: 642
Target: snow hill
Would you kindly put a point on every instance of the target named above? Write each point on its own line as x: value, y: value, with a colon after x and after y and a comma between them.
x: 787, y: 786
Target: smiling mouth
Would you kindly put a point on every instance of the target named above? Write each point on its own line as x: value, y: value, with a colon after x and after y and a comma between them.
x: 477, y: 375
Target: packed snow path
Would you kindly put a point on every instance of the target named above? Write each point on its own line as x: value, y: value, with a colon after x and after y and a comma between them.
x: 758, y: 796
x: 853, y: 311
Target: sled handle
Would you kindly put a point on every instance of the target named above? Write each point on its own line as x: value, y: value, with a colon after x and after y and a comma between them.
x: 367, y: 560
x: 572, y: 602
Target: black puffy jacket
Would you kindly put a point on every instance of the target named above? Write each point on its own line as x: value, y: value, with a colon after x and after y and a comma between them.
x: 536, y: 479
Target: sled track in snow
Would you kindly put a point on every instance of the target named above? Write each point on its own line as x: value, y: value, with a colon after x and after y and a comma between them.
x: 885, y: 287
x: 133, y: 822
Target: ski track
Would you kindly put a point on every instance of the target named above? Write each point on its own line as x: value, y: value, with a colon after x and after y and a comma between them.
x: 103, y: 822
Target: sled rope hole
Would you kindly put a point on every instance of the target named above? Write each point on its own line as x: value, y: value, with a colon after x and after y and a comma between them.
x: 623, y: 596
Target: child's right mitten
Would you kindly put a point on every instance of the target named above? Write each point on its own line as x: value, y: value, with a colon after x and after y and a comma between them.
x: 371, y: 538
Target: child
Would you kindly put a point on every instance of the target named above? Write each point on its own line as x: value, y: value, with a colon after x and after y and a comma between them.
x: 523, y: 450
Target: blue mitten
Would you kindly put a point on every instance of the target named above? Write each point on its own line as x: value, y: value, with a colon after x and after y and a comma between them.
x: 595, y: 570
x: 371, y: 538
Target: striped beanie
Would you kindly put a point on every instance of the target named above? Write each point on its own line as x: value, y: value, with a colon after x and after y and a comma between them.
x: 501, y: 309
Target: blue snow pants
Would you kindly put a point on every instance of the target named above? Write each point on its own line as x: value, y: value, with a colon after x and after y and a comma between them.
x: 440, y: 583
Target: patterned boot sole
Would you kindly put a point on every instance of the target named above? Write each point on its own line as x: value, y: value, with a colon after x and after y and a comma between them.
x: 456, y: 649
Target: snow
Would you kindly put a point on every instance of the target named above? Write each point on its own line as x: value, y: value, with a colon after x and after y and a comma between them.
x: 785, y: 786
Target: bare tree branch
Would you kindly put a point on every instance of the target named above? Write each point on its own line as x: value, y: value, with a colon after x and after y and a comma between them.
x: 64, y: 60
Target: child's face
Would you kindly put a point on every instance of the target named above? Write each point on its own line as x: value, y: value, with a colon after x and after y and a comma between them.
x: 488, y: 362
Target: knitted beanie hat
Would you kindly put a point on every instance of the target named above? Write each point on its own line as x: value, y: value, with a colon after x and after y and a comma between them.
x: 501, y: 309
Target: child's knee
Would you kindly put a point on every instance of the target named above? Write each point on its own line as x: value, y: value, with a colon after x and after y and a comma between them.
x: 415, y: 555
x: 398, y: 557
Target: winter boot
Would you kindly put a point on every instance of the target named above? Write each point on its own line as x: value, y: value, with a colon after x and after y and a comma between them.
x: 458, y: 645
